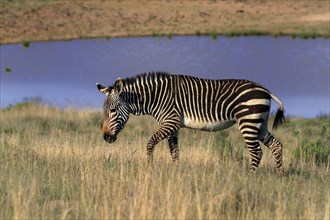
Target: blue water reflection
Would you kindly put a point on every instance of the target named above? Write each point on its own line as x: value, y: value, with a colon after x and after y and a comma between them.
x: 65, y: 73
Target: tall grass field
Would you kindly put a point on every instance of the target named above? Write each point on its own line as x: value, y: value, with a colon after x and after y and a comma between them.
x: 55, y: 164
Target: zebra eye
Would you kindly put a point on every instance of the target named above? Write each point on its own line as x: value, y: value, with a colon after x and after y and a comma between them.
x: 112, y: 110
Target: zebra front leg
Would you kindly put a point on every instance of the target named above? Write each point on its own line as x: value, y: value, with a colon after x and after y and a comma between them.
x: 174, y: 147
x: 163, y: 132
x: 276, y: 148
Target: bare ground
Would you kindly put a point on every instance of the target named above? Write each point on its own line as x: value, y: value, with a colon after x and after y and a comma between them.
x: 67, y: 19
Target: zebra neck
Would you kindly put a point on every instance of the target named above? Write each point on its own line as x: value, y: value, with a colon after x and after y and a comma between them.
x: 149, y: 94
x: 136, y: 101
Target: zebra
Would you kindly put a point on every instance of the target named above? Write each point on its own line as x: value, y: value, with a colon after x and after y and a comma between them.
x: 182, y: 101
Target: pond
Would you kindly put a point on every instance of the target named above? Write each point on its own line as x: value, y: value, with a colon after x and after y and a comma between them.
x: 65, y: 73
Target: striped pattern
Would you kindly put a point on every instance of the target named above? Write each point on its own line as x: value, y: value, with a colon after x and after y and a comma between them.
x: 177, y: 101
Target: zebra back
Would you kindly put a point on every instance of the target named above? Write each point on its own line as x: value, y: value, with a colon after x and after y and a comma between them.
x: 199, y: 99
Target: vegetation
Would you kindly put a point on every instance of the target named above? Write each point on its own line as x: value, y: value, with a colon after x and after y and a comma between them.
x: 54, y: 164
x: 8, y: 70
x: 26, y: 44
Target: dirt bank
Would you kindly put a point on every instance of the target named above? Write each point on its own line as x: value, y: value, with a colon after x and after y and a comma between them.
x: 62, y: 20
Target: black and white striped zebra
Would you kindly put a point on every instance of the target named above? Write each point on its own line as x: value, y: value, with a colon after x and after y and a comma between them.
x: 183, y: 101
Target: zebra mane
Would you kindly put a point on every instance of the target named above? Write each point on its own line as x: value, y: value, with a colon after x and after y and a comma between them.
x: 162, y: 74
x: 148, y: 75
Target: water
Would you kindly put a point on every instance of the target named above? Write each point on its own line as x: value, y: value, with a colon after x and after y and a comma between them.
x: 65, y: 73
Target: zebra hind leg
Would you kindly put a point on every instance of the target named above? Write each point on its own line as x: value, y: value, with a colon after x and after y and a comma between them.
x: 174, y: 147
x: 276, y: 148
x: 250, y: 129
x: 255, y: 153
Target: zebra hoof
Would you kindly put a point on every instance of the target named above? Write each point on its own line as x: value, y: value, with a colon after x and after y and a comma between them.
x: 150, y: 160
x: 253, y: 170
x: 280, y: 172
x: 175, y: 162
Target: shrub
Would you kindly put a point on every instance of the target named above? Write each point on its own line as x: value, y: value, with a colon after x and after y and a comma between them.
x: 315, y: 151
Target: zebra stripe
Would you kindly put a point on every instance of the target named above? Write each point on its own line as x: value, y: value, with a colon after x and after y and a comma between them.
x: 177, y: 101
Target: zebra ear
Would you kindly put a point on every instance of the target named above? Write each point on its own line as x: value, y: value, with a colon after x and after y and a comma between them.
x: 102, y: 88
x: 118, y: 85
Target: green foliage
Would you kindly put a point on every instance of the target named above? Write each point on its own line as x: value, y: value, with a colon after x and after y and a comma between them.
x: 24, y: 104
x: 233, y: 34
x: 309, y: 35
x: 314, y: 150
x: 324, y: 116
x: 26, y: 44
x: 214, y: 35
x: 18, y: 106
x: 254, y: 32
x: 251, y: 32
x: 8, y: 70
x: 155, y: 33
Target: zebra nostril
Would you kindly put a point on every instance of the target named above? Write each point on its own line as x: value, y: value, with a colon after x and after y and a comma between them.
x: 113, y: 139
x: 108, y: 138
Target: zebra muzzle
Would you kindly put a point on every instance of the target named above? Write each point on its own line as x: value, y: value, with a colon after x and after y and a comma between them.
x: 109, y: 138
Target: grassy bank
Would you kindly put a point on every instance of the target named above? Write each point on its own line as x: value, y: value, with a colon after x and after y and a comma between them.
x: 55, y: 164
x: 35, y: 20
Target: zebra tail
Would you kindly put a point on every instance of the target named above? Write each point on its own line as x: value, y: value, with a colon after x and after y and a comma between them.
x: 279, y: 117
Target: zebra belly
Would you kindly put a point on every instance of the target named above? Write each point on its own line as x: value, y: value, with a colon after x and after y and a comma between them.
x: 206, y: 126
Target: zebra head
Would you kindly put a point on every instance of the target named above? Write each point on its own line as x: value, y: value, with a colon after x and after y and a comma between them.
x: 115, y: 110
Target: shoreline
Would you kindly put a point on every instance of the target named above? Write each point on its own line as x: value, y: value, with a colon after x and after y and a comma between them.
x: 170, y: 37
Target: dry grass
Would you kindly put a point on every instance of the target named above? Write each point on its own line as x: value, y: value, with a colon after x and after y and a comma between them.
x: 55, y: 164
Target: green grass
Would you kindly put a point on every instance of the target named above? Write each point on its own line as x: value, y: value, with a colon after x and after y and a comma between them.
x: 55, y: 164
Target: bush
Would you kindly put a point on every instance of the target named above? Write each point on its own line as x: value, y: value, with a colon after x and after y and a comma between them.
x: 315, y: 151
x: 27, y: 102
